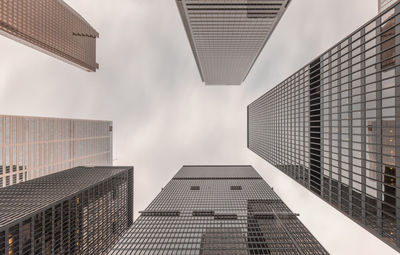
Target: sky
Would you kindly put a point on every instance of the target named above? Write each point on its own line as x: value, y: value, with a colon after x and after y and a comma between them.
x: 164, y: 117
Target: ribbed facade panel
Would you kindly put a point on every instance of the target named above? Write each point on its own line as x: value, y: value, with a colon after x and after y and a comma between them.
x: 334, y: 126
x: 50, y: 26
x: 32, y: 147
x: 77, y: 211
x: 217, y: 210
x: 227, y: 36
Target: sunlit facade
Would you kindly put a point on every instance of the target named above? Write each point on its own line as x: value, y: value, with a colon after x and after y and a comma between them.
x: 50, y: 26
x: 32, y: 147
x: 83, y: 210
x: 224, y: 210
x: 334, y: 126
x: 227, y: 37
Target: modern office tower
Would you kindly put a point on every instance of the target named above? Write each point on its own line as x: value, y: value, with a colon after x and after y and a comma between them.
x: 217, y: 210
x: 50, y: 26
x: 32, y: 147
x: 383, y: 4
x: 334, y: 126
x: 227, y: 36
x: 82, y: 210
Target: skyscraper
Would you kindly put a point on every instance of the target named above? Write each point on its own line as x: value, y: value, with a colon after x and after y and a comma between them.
x: 50, y: 26
x: 83, y: 210
x: 217, y: 210
x: 333, y: 126
x: 227, y: 36
x: 32, y: 147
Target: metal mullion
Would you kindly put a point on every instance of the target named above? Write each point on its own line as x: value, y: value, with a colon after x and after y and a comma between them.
x: 339, y: 121
x: 397, y: 123
x: 330, y: 127
x: 349, y: 81
x: 363, y: 130
x: 43, y: 216
x: 61, y: 227
x: 53, y: 220
x: 6, y: 244
x: 322, y: 123
x: 379, y: 127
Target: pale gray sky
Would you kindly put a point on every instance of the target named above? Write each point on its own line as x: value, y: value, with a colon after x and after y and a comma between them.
x: 164, y: 117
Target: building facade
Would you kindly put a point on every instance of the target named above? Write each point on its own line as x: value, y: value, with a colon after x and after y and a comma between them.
x: 383, y: 4
x: 50, y: 26
x: 217, y: 210
x: 82, y: 210
x: 32, y: 147
x: 334, y: 126
x: 226, y: 37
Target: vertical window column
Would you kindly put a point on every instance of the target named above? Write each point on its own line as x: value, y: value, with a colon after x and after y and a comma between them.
x: 315, y: 126
x: 378, y: 128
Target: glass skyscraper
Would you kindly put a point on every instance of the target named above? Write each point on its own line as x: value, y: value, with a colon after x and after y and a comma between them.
x: 32, y: 147
x: 217, y: 210
x: 50, y: 26
x: 83, y: 210
x: 334, y: 126
x: 226, y: 37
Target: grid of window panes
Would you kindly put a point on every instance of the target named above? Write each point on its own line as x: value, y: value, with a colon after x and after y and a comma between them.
x: 359, y: 123
x: 217, y: 217
x: 76, y: 211
x: 278, y: 124
x: 52, y: 27
x: 227, y: 36
x: 31, y: 147
x: 383, y: 4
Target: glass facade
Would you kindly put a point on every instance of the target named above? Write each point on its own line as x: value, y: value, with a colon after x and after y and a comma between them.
x: 227, y: 36
x: 50, y: 26
x: 217, y: 210
x: 383, y: 4
x: 32, y: 147
x: 83, y: 210
x: 334, y: 126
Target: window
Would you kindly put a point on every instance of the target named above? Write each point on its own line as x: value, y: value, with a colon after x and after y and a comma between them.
x: 195, y: 188
x: 203, y: 213
x: 236, y: 187
x: 26, y: 232
x: 225, y: 216
x: 161, y: 213
x: 114, y: 227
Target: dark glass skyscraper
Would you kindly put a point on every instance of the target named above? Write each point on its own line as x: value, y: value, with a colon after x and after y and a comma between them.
x: 83, y: 210
x: 218, y: 210
x: 334, y: 126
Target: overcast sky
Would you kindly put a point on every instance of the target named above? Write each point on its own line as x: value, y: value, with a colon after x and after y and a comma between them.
x: 164, y: 117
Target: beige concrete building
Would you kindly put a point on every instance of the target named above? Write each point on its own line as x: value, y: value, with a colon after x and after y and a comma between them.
x: 32, y: 147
